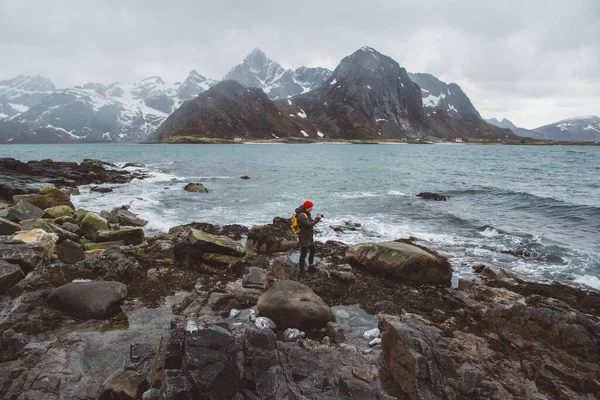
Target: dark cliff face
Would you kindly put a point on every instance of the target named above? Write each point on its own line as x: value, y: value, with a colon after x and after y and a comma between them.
x: 368, y: 96
x: 448, y: 97
x: 229, y: 110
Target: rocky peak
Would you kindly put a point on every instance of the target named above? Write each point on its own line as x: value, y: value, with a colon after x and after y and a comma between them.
x: 257, y: 70
x: 194, y: 85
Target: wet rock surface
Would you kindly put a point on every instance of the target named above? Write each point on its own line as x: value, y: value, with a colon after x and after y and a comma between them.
x: 182, y: 315
x: 17, y: 177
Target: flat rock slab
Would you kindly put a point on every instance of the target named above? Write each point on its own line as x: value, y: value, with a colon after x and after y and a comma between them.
x: 8, y: 227
x: 128, y: 235
x: 215, y: 244
x: 70, y: 252
x: 89, y: 300
x: 291, y: 304
x: 401, y: 262
x: 10, y: 275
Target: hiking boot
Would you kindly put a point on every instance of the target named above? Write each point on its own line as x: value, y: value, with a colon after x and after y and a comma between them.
x: 312, y: 269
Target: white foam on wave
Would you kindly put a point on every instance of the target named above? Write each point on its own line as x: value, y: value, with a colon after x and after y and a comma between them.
x: 490, y: 233
x: 588, y: 280
x: 356, y: 195
x: 396, y: 193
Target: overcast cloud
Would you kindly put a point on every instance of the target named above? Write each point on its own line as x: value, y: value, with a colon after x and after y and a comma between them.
x: 534, y: 62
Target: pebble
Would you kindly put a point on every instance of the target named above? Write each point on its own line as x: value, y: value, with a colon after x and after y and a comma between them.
x: 367, y: 351
x: 291, y: 334
x: 264, y: 323
x: 371, y: 334
x: 234, y: 313
x: 252, y: 315
x: 375, y: 342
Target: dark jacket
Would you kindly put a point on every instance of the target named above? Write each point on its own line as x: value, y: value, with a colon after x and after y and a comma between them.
x: 306, y: 224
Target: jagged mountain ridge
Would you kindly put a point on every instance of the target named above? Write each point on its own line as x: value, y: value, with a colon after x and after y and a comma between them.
x: 367, y: 96
x: 96, y: 112
x: 257, y: 70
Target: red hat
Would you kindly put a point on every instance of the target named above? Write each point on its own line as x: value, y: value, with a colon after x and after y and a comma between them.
x: 307, y: 204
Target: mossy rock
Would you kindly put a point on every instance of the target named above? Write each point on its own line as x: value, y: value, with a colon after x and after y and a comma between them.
x: 59, y: 211
x: 37, y: 200
x: 128, y: 235
x: 94, y: 253
x: 215, y: 244
x: 48, y: 197
x: 64, y: 219
x: 91, y: 224
x: 104, y: 245
x: 401, y: 262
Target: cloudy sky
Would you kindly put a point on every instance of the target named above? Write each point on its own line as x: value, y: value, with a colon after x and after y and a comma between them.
x: 531, y: 61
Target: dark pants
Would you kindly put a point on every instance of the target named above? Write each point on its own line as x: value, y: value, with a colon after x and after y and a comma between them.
x: 311, y: 250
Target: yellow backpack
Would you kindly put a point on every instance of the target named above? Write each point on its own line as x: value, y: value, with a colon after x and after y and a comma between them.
x: 295, y: 226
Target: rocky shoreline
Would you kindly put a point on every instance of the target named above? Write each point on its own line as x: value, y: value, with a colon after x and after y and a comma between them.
x: 92, y: 308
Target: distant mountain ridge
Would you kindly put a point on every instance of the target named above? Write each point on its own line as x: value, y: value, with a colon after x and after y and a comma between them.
x: 368, y: 96
x: 92, y: 112
x: 378, y: 100
x: 583, y: 128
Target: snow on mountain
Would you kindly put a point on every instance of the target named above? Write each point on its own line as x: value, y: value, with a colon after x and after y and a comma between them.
x: 18, y: 94
x: 257, y: 70
x: 93, y: 111
x: 582, y: 128
x: 448, y: 97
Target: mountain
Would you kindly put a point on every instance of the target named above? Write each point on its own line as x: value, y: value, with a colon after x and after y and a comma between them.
x: 506, y: 124
x: 257, y: 70
x: 583, y: 128
x: 439, y: 95
x: 19, y: 94
x: 368, y: 95
x: 228, y: 110
x: 92, y: 112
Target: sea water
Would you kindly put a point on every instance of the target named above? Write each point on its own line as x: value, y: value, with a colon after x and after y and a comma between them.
x: 532, y: 209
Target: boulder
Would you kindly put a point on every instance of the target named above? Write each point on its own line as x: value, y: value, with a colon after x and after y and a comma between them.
x: 215, y: 244
x: 101, y: 189
x: 112, y: 265
x: 272, y: 238
x: 256, y: 278
x: 103, y: 245
x: 66, y: 219
x: 50, y: 227
x: 109, y: 217
x: 35, y: 199
x: 127, y: 218
x: 80, y: 214
x: 24, y: 210
x: 195, y: 188
x: 401, y: 262
x: 134, y: 164
x: 22, y: 255
x: 128, y: 235
x: 89, y: 300
x: 158, y: 248
x: 233, y: 231
x: 38, y: 239
x: 70, y: 227
x: 49, y: 196
x: 91, y: 224
x: 291, y: 304
x: 8, y: 227
x: 70, y: 252
x: 10, y: 275
x: 58, y: 211
x: 432, y: 196
x: 124, y: 385
x: 283, y: 268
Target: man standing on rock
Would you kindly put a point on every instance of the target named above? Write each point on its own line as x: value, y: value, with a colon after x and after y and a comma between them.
x: 307, y: 242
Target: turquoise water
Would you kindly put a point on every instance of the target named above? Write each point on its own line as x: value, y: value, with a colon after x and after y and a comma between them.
x: 542, y: 203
